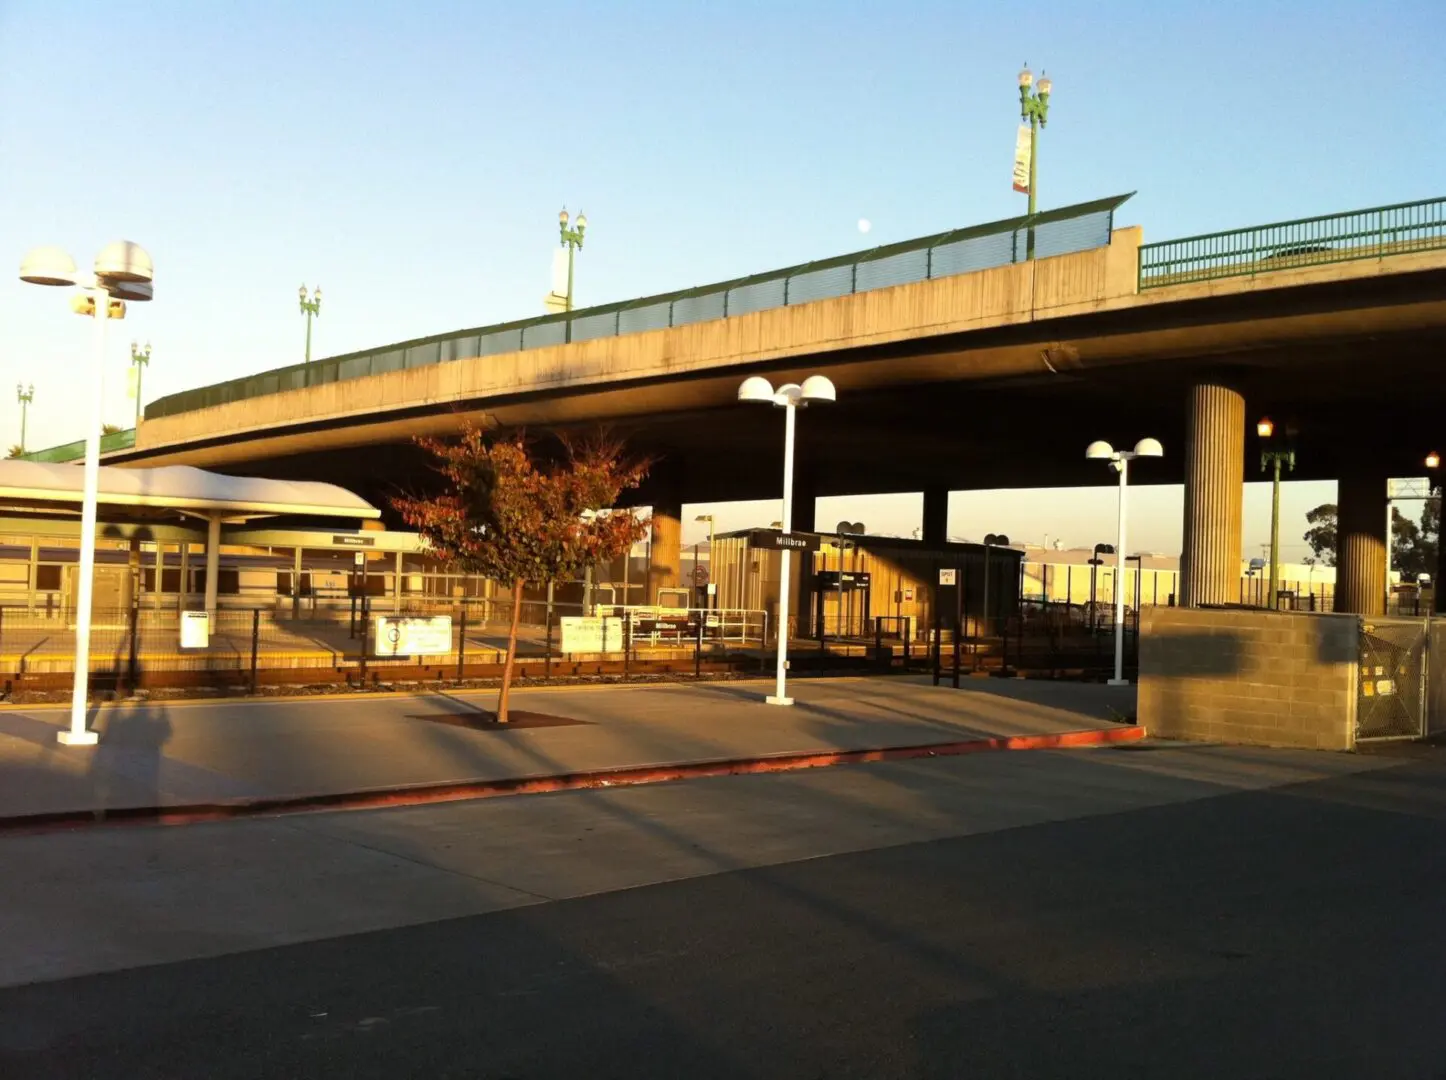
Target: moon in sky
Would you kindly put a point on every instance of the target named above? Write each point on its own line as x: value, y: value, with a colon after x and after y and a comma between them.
x: 865, y: 225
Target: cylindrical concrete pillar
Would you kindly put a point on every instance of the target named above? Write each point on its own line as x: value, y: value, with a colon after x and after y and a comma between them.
x: 1361, y: 544
x: 1214, y: 493
x: 665, y: 555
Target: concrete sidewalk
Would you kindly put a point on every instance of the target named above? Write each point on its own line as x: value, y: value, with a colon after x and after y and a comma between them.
x: 180, y: 753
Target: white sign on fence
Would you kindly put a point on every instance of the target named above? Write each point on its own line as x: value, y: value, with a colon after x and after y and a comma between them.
x: 195, y: 630
x: 591, y: 634
x: 411, y: 635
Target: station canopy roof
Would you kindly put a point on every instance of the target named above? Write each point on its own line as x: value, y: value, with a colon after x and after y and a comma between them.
x: 177, y: 489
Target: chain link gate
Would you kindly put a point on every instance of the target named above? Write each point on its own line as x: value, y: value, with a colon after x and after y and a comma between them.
x: 1391, y: 680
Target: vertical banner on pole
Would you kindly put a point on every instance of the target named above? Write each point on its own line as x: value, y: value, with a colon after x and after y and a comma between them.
x: 1023, y: 150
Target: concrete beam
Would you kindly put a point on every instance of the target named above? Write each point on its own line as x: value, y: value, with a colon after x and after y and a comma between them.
x: 936, y: 515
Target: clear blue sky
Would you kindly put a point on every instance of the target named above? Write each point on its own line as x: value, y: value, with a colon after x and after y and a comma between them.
x: 411, y: 158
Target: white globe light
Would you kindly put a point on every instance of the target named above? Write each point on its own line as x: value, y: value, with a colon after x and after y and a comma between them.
x: 818, y: 388
x: 48, y: 266
x: 1099, y: 450
x: 756, y: 388
x: 1149, y: 448
x: 124, y: 260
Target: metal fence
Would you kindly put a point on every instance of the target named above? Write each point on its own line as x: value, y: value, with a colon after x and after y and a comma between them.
x: 1391, y: 686
x: 959, y: 251
x: 1285, y: 245
x: 141, y: 647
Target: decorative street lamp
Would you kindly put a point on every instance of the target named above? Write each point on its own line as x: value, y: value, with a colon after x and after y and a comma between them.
x: 1120, y: 461
x: 572, y: 240
x: 790, y: 398
x: 1033, y: 107
x: 25, y: 397
x: 140, y: 358
x: 1272, y: 457
x: 123, y: 271
x: 310, y: 308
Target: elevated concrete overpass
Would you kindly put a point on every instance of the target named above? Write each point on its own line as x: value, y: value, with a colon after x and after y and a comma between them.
x: 953, y: 378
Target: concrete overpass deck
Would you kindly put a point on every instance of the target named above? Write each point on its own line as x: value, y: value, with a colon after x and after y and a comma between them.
x: 959, y: 365
x: 937, y: 370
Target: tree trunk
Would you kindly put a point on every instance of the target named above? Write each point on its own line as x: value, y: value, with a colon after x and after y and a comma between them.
x: 511, y: 653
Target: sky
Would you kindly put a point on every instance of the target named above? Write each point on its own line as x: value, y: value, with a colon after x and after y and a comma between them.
x: 411, y: 159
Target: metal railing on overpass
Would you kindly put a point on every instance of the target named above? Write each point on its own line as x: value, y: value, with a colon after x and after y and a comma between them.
x: 1288, y: 245
x: 75, y: 451
x: 959, y: 251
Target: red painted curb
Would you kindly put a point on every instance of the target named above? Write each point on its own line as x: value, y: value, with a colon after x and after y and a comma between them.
x: 421, y: 794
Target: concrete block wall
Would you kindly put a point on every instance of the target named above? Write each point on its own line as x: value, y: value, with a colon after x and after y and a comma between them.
x: 1249, y: 677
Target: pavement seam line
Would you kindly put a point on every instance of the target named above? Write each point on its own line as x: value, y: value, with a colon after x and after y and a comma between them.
x: 297, y: 826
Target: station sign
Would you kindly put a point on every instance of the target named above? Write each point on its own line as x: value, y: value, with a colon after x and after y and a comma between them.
x: 353, y: 541
x: 774, y: 540
x: 195, y: 630
x: 413, y: 635
x: 829, y: 579
x: 591, y: 634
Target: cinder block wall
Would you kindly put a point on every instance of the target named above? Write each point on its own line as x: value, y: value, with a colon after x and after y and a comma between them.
x: 1249, y: 677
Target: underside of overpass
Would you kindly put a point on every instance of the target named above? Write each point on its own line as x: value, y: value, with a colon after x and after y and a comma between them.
x: 1376, y: 395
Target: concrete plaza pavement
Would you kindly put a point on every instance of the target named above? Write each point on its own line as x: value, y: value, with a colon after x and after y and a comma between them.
x: 1142, y: 911
x: 181, y: 753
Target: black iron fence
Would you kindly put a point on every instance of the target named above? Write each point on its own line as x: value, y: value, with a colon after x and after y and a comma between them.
x: 132, y: 648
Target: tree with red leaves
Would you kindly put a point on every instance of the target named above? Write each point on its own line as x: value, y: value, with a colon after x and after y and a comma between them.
x: 516, y: 520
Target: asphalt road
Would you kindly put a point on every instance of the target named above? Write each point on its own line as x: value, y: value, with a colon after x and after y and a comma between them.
x: 1295, y: 932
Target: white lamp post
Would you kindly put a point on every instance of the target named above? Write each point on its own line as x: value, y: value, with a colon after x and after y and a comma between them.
x: 790, y: 398
x: 123, y: 271
x: 1120, y: 461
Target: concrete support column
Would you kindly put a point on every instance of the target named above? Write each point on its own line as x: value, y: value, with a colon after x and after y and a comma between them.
x: 1214, y: 493
x: 213, y: 564
x: 936, y: 515
x: 1361, y: 543
x: 665, y: 554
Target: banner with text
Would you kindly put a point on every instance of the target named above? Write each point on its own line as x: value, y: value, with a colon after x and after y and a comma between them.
x: 1023, y: 149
